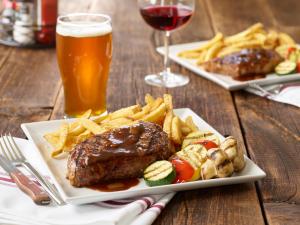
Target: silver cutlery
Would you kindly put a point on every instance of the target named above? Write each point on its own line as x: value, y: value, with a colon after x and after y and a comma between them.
x: 271, y: 90
x: 24, y: 183
x: 12, y: 152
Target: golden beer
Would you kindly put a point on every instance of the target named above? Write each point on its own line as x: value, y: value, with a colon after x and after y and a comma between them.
x: 84, y: 51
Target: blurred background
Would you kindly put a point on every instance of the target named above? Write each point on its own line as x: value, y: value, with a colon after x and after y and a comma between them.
x: 32, y: 22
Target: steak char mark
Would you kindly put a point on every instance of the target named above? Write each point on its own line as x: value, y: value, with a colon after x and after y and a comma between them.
x: 118, y: 154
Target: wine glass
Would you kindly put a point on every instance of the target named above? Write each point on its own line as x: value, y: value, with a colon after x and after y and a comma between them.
x: 166, y: 15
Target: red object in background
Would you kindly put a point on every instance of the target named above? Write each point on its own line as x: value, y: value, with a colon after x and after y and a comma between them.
x: 8, y: 4
x: 47, y: 16
x: 207, y: 144
x: 184, y: 170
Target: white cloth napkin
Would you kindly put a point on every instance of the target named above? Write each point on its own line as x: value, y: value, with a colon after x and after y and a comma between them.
x: 288, y: 93
x: 17, y: 208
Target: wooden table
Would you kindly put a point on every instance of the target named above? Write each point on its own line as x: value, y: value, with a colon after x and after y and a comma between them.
x: 31, y: 90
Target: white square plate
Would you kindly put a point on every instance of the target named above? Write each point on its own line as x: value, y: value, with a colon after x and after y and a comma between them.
x: 57, y: 168
x: 223, y: 80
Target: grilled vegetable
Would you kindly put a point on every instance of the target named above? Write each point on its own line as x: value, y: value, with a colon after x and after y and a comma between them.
x: 200, y: 136
x: 293, y: 54
x: 207, y: 144
x: 184, y: 170
x: 197, y: 150
x: 159, y: 173
x: 235, y: 155
x: 285, y: 68
x: 217, y: 165
x: 193, y: 159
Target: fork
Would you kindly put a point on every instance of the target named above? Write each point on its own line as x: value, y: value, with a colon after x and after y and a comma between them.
x: 17, y: 158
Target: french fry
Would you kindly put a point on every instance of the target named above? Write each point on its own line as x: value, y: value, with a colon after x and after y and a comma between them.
x: 62, y: 139
x: 149, y: 99
x: 190, y: 54
x: 213, y: 51
x: 228, y: 50
x: 271, y: 40
x: 146, y: 109
x: 99, y: 119
x: 201, y: 58
x: 247, y: 44
x: 117, y: 123
x: 92, y: 126
x: 168, y: 101
x: 125, y: 112
x: 157, y: 102
x: 75, y: 128
x: 52, y: 139
x: 87, y: 114
x: 176, y: 135
x: 190, y: 123
x: 86, y: 134
x: 260, y: 37
x: 230, y: 41
x: 254, y: 28
x: 75, y: 131
x: 159, y: 110
x: 156, y: 115
x: 70, y: 143
x: 185, y: 130
x: 254, y: 36
x: 168, y: 123
x: 217, y: 38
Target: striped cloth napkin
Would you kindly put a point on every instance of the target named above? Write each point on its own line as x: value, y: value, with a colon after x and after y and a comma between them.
x: 288, y: 93
x: 17, y: 208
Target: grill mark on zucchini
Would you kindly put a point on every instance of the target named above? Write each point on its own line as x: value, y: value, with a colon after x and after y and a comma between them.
x: 159, y: 173
x: 152, y: 174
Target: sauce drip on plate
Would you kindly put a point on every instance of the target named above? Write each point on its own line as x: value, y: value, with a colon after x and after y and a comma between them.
x: 249, y: 77
x: 119, y: 185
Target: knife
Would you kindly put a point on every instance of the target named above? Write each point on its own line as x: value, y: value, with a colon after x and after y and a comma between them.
x: 30, y: 188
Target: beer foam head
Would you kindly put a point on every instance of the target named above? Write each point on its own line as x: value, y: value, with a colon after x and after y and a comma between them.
x: 83, y: 28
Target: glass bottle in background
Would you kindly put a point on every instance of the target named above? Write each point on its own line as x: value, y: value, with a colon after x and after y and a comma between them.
x: 28, y: 23
x: 23, y: 28
x: 46, y: 21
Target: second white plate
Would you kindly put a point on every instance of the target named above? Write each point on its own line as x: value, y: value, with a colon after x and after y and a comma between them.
x: 57, y: 168
x: 224, y: 81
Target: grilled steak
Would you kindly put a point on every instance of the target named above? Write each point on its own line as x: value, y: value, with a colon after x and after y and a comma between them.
x: 118, y: 154
x: 245, y: 63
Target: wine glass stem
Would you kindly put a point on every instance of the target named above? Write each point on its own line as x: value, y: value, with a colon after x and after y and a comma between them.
x: 166, y: 56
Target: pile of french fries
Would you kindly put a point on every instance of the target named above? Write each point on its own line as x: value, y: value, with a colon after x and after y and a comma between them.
x: 255, y: 36
x: 159, y: 110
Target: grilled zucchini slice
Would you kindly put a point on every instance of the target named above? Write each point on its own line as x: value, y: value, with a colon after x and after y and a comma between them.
x: 159, y: 173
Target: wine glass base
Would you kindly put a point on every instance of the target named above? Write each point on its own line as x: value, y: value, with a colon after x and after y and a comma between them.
x: 169, y: 80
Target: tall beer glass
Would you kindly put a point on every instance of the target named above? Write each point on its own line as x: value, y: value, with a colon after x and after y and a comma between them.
x: 84, y: 51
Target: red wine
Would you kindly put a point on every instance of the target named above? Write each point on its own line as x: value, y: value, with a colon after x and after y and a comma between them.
x: 166, y: 17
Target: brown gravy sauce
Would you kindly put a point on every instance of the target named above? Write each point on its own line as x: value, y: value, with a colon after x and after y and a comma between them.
x: 249, y: 77
x: 119, y: 185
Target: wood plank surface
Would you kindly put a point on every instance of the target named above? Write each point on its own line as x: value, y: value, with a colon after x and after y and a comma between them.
x: 271, y: 130
x: 30, y: 90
